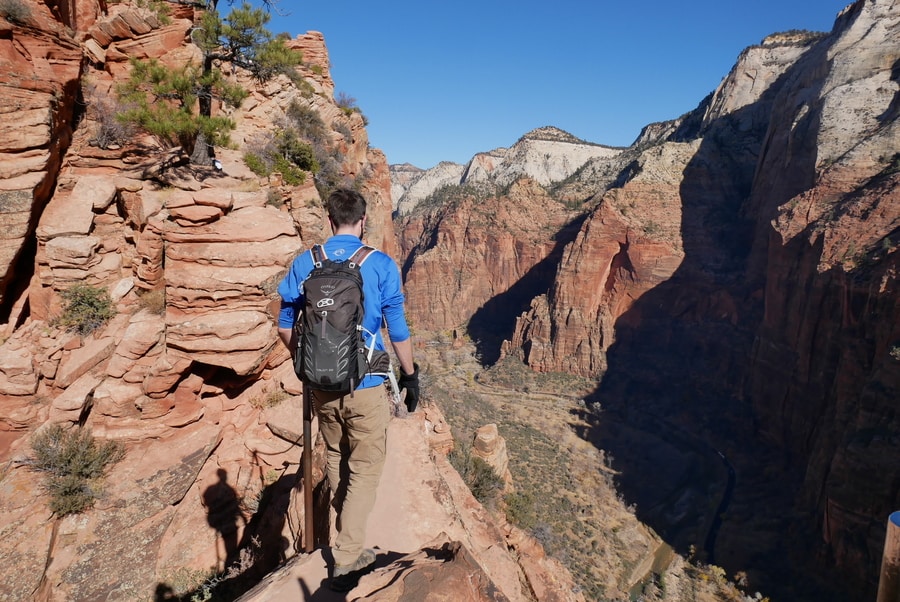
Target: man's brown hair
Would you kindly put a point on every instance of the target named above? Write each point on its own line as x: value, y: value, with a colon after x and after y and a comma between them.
x: 345, y: 207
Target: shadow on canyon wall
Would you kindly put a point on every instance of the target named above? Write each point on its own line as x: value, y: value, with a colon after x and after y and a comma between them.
x: 495, y: 321
x: 670, y: 411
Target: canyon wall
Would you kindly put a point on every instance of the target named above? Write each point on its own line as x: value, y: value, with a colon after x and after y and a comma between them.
x: 767, y: 277
x: 824, y: 369
x: 732, y: 277
x: 188, y: 375
x: 474, y: 257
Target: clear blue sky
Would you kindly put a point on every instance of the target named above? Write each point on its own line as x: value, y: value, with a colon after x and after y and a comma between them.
x: 445, y: 80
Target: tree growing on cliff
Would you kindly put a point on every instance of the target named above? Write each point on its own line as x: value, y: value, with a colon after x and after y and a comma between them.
x: 175, y: 104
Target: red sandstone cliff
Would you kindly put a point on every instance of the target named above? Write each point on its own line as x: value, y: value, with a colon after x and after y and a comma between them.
x: 738, y: 280
x: 188, y: 375
x: 757, y: 261
x: 468, y: 254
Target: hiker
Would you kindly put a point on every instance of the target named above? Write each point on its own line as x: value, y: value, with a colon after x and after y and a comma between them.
x: 354, y: 424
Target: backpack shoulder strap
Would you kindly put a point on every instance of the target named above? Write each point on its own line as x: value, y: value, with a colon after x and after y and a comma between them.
x: 360, y: 255
x: 318, y: 255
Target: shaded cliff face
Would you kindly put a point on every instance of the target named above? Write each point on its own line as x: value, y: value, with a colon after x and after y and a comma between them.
x: 750, y: 297
x: 479, y: 258
x: 824, y: 373
x: 734, y: 281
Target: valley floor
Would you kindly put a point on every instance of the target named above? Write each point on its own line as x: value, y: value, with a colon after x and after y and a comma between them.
x: 565, y: 482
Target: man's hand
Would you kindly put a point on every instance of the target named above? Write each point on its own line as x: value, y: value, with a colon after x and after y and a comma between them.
x: 410, y: 382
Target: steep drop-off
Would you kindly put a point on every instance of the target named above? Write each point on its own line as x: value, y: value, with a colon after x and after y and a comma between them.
x: 735, y: 283
x: 774, y: 338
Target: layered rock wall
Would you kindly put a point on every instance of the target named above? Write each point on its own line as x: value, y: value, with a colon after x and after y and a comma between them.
x: 188, y: 375
x: 464, y: 259
x: 772, y: 287
x: 40, y: 68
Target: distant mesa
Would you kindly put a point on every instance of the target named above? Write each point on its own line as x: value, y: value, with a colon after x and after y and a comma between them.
x: 546, y: 155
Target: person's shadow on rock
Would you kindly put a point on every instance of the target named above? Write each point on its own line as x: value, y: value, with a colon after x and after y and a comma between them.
x: 223, y: 513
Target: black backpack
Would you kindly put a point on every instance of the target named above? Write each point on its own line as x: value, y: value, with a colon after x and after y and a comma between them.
x: 331, y: 352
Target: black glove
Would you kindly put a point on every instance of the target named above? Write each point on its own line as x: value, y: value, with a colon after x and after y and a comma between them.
x: 410, y: 382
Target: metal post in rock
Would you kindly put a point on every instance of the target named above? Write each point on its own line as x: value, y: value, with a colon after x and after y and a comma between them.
x: 889, y: 582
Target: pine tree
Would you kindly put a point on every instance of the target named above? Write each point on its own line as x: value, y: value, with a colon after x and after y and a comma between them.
x: 175, y: 104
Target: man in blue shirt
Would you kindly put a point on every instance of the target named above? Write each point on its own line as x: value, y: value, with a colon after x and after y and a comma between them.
x: 354, y: 428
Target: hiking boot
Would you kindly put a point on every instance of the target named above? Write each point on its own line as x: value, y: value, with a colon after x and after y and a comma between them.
x: 346, y: 576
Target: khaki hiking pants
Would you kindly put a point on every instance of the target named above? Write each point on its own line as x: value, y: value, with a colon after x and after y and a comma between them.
x: 355, y: 433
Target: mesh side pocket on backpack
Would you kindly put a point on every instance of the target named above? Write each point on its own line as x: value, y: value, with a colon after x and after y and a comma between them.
x: 380, y: 364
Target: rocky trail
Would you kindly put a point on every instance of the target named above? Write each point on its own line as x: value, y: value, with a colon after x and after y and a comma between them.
x: 422, y: 512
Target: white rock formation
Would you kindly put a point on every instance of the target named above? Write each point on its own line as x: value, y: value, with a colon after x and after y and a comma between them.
x: 546, y: 155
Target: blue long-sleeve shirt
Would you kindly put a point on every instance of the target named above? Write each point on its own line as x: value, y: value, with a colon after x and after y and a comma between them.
x: 382, y: 292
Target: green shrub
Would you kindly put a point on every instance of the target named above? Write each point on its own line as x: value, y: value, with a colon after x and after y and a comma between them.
x: 520, y: 510
x: 307, y: 124
x: 290, y: 173
x: 256, y: 164
x: 86, y: 308
x: 484, y: 483
x: 284, y: 153
x: 296, y: 151
x: 72, y: 461
x: 15, y: 11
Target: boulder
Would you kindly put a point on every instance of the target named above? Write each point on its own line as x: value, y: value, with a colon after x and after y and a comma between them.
x: 78, y: 361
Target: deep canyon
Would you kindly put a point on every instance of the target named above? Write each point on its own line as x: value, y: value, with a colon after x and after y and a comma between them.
x: 727, y: 285
x: 732, y: 279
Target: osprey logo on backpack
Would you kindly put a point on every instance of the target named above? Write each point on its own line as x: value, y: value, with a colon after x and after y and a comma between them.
x: 331, y: 351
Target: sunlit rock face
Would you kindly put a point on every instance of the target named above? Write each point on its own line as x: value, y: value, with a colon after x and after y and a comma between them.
x: 546, y: 155
x: 735, y: 270
x: 186, y: 372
